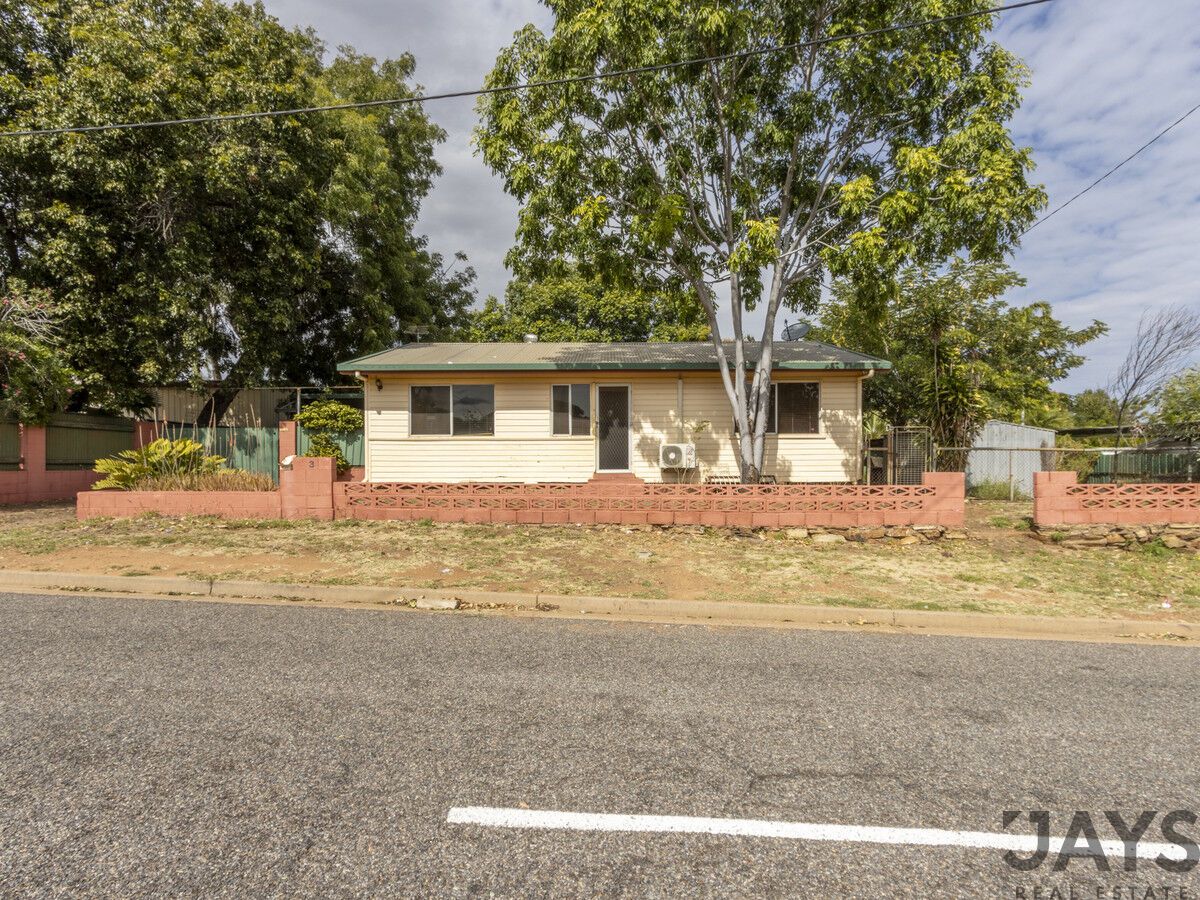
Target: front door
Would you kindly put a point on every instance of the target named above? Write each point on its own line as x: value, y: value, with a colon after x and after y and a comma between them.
x: 612, y: 428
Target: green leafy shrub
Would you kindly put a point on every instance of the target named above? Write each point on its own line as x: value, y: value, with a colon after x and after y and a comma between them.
x: 160, y: 458
x: 326, y: 420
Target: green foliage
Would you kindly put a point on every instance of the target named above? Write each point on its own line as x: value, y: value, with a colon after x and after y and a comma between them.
x: 573, y: 308
x: 34, y: 379
x: 247, y: 250
x: 995, y: 490
x: 1177, y: 410
x: 1093, y: 407
x: 330, y: 417
x: 159, y: 459
x: 961, y: 355
x: 326, y: 420
x: 757, y: 177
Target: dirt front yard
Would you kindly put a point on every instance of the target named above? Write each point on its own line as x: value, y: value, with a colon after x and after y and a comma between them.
x: 999, y: 567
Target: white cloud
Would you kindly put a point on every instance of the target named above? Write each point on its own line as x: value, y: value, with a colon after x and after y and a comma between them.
x: 1106, y: 75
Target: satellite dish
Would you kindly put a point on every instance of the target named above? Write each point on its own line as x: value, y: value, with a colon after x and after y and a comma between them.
x: 796, y: 331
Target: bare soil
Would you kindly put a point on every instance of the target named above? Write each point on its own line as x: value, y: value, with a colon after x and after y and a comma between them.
x: 999, y: 567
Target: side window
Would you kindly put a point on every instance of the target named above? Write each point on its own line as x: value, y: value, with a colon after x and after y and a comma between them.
x: 799, y: 407
x: 571, y: 409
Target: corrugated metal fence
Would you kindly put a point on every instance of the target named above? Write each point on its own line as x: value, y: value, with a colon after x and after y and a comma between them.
x: 77, y: 440
x: 10, y: 446
x: 251, y: 449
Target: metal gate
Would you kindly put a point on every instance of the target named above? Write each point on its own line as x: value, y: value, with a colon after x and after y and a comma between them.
x: 910, y: 451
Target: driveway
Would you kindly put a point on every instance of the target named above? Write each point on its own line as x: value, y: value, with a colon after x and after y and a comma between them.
x: 201, y: 749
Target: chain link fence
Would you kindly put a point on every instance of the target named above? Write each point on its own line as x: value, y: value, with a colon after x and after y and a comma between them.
x: 1006, y: 473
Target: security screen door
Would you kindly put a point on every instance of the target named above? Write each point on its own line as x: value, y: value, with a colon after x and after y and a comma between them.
x: 612, y: 432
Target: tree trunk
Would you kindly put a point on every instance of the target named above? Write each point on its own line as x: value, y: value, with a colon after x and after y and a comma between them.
x: 217, y: 405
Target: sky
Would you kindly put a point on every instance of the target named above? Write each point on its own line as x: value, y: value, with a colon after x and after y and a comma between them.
x: 1106, y: 76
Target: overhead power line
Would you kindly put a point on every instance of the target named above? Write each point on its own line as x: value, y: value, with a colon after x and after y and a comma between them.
x: 508, y: 88
x: 1131, y: 156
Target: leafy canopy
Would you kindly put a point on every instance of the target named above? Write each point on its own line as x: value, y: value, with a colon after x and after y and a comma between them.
x: 1177, y: 411
x: 34, y: 379
x: 961, y: 355
x: 574, y: 308
x: 251, y: 251
x: 747, y: 181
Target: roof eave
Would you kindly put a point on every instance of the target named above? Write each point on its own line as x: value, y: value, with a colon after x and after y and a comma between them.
x: 357, y: 366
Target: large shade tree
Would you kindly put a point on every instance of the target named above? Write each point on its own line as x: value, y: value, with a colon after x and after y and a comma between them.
x: 241, y: 252
x: 961, y: 353
x: 570, y: 307
x: 747, y: 180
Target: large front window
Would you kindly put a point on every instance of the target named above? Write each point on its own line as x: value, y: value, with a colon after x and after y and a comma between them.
x: 460, y: 409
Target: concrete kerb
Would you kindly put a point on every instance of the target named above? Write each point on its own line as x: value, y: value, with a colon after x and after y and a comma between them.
x: 639, y: 609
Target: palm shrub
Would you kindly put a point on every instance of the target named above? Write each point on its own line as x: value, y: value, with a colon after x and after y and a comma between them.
x: 325, y: 421
x: 157, y: 460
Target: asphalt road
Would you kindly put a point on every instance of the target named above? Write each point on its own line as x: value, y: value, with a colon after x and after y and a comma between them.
x: 197, y: 749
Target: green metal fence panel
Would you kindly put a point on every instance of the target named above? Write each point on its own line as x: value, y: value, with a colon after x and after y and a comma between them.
x: 251, y: 449
x: 352, y: 444
x: 77, y: 440
x: 1168, y: 465
x: 10, y: 446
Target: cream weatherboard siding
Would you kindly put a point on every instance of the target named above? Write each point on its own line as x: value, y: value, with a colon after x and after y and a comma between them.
x: 523, y: 448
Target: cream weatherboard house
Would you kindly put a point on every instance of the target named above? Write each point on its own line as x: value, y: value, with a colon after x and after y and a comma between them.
x: 566, y: 412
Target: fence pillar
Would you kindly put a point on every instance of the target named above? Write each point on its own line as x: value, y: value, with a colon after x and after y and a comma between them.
x: 287, y: 439
x: 306, y: 489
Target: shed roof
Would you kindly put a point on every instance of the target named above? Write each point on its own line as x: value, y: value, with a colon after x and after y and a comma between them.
x: 695, y: 355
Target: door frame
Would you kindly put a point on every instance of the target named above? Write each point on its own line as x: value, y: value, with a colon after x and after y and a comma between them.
x: 628, y: 425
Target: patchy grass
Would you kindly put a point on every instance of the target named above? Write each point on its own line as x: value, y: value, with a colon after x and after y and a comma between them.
x: 998, y: 568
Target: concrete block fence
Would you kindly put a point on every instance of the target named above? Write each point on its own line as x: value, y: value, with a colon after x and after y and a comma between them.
x: 309, y: 489
x: 32, y: 481
x: 1059, y: 499
x: 937, y: 501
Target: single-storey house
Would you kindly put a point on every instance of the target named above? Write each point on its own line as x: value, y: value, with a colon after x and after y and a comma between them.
x: 566, y: 412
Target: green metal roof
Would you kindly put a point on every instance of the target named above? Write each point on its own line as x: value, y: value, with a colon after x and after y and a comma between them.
x: 599, y: 357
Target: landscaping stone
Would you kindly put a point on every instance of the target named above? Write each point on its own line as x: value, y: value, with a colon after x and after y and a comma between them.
x: 796, y: 534
x: 1178, y: 536
x: 908, y: 539
x: 437, y: 603
x: 828, y: 539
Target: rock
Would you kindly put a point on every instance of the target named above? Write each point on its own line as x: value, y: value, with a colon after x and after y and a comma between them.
x: 644, y: 554
x: 796, y: 534
x: 437, y: 603
x: 928, y: 529
x: 857, y: 536
x: 875, y: 534
x: 955, y: 535
x: 1173, y: 541
x: 908, y: 539
x: 1141, y: 534
x: 1080, y: 541
x: 828, y: 539
x: 898, y: 532
x: 1115, y: 537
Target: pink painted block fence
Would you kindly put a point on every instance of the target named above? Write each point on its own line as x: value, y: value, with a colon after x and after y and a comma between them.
x: 1058, y: 499
x: 33, y: 482
x: 308, y: 489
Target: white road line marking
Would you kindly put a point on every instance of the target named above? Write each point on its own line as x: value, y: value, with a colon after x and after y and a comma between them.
x: 500, y: 817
